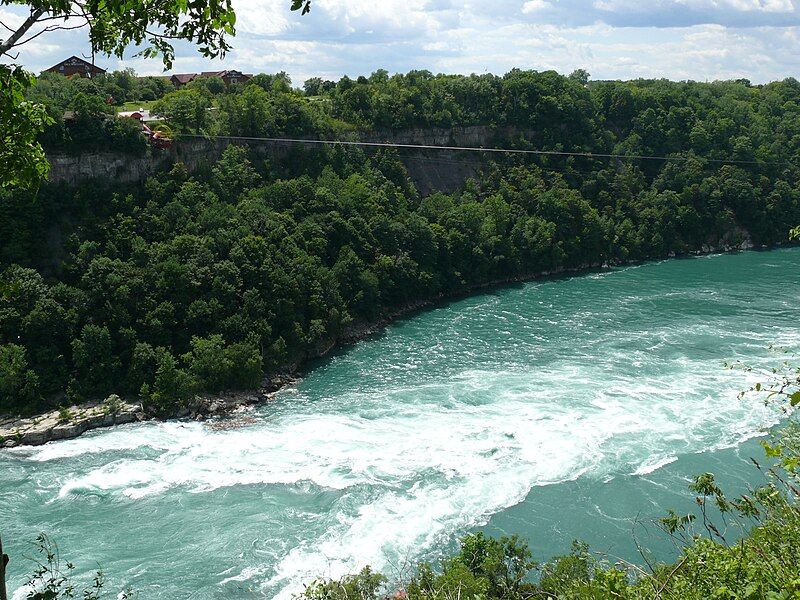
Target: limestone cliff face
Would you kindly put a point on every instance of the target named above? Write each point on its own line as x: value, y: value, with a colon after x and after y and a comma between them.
x: 430, y: 170
x: 107, y: 165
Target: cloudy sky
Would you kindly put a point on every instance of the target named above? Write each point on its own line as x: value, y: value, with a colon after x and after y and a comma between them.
x: 612, y: 39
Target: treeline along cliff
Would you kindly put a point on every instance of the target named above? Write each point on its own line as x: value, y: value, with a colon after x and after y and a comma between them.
x: 206, y: 279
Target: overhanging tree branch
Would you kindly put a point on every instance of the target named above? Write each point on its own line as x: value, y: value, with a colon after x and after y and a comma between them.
x: 3, y: 561
x: 12, y: 40
x: 50, y: 28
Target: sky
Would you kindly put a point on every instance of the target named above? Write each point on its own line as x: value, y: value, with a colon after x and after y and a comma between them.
x: 702, y: 40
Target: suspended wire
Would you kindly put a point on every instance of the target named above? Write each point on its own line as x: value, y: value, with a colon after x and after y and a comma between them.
x: 474, y: 164
x: 487, y: 150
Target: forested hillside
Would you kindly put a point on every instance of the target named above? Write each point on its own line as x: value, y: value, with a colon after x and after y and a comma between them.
x: 721, y: 120
x: 205, y: 282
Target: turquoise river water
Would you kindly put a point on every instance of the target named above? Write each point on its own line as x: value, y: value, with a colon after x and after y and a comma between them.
x: 556, y: 409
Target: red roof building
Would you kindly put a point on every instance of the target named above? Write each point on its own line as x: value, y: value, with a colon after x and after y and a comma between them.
x: 180, y: 79
x: 229, y: 76
x: 76, y: 66
x: 232, y: 76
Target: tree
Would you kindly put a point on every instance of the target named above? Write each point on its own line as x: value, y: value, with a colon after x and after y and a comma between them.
x: 18, y: 384
x: 313, y: 86
x: 172, y: 386
x: 249, y: 112
x: 186, y: 109
x: 234, y: 173
x: 217, y: 366
x: 580, y: 75
x: 22, y: 160
x: 96, y: 363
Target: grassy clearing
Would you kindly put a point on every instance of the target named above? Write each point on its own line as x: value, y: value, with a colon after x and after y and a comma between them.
x: 136, y: 105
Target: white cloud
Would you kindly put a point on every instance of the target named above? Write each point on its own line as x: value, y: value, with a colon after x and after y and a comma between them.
x: 260, y: 18
x: 775, y: 6
x: 679, y: 39
x: 11, y: 18
x: 533, y: 5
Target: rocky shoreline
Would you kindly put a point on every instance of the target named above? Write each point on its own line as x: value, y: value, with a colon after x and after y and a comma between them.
x: 65, y: 423
x: 71, y: 422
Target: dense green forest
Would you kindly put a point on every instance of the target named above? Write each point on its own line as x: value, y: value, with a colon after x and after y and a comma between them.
x: 721, y: 120
x: 205, y: 281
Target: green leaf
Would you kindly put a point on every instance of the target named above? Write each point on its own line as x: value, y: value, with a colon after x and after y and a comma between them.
x: 22, y: 160
x: 794, y: 399
x: 304, y: 4
x: 771, y: 451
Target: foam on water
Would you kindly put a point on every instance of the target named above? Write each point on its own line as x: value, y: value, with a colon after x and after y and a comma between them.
x: 402, y: 443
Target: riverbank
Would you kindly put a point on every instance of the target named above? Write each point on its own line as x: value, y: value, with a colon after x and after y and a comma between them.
x: 66, y: 423
x: 71, y: 422
x: 486, y: 413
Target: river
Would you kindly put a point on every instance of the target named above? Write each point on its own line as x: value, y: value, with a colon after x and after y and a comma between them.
x: 557, y: 409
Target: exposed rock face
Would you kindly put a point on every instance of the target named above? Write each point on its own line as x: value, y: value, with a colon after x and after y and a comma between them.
x: 122, y: 168
x: 430, y: 170
x: 68, y: 423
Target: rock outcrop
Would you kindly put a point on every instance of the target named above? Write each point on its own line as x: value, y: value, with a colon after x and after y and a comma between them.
x: 67, y: 423
x: 430, y: 170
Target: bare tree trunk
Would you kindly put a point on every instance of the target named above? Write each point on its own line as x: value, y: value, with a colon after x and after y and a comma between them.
x: 8, y: 44
x: 3, y: 562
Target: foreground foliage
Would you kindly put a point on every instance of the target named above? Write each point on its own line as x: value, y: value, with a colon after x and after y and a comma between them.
x: 22, y: 160
x: 52, y: 579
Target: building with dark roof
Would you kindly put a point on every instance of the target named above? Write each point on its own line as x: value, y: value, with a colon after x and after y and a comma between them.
x: 180, y: 79
x: 229, y: 76
x: 76, y: 66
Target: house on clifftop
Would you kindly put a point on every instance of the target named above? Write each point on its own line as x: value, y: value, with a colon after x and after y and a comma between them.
x: 180, y: 79
x: 229, y: 76
x: 76, y: 66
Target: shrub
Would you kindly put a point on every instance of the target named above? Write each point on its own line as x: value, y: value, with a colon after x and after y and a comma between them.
x: 112, y: 405
x: 364, y: 586
x: 19, y: 386
x: 171, y: 388
x: 65, y: 415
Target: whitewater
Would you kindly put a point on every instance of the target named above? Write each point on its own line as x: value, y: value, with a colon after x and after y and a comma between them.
x: 539, y: 409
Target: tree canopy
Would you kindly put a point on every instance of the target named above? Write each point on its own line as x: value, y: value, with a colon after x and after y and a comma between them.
x: 260, y: 260
x: 22, y: 159
x: 189, y: 283
x: 114, y: 26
